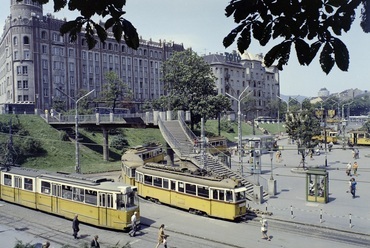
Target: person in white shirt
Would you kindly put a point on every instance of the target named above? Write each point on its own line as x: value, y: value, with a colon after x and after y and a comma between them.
x: 133, y: 225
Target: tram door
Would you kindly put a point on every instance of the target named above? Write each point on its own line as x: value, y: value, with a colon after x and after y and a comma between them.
x: 17, y: 187
x: 105, y: 202
x: 56, y: 195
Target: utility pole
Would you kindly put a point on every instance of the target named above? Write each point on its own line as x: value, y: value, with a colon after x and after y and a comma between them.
x: 77, y: 151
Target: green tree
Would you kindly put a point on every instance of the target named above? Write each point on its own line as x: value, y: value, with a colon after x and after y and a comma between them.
x: 302, y: 126
x: 115, y: 91
x: 190, y: 85
x: 115, y: 23
x: 309, y: 25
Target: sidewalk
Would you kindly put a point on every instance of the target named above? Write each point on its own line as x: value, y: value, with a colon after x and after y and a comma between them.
x: 341, y: 212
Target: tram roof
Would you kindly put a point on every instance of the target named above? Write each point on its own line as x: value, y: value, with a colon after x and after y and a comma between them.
x: 132, y: 160
x: 164, y: 171
x: 101, y: 183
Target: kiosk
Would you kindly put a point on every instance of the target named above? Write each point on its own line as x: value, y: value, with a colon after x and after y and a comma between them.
x: 317, y: 185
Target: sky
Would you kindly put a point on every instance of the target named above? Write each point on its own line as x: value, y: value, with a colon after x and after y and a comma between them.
x: 202, y: 25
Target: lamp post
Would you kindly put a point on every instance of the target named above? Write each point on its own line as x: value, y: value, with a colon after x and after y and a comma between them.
x: 287, y: 102
x: 77, y: 152
x: 239, y: 99
x: 272, y: 182
x: 271, y: 158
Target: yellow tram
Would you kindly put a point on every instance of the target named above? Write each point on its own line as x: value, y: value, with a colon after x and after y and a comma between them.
x: 137, y: 156
x: 217, y: 145
x: 357, y: 137
x: 200, y: 194
x: 97, y: 201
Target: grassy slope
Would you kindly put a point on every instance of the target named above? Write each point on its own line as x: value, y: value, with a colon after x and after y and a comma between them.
x: 60, y: 154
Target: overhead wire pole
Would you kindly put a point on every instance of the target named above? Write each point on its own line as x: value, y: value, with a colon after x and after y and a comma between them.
x: 77, y: 148
x: 239, y: 99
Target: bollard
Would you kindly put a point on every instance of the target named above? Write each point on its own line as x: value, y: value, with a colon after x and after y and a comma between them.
x: 350, y: 220
x: 320, y: 215
x: 266, y: 207
x: 291, y: 211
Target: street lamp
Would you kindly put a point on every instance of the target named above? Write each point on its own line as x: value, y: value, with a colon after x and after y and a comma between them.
x: 239, y: 99
x: 77, y: 166
x: 287, y: 102
x: 271, y: 158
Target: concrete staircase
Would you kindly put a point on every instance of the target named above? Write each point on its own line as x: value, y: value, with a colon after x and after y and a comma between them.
x: 181, y: 141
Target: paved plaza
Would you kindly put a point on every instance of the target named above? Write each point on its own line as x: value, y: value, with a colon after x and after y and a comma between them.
x: 341, y: 212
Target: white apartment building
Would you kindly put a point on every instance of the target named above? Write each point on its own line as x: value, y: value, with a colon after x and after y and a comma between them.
x: 35, y: 60
x: 236, y: 72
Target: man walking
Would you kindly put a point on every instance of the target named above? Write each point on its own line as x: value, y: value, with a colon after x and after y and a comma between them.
x: 75, y: 226
x: 133, y: 225
x: 353, y: 188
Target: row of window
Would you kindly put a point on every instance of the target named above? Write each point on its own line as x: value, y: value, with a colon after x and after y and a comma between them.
x: 190, y: 188
x: 64, y: 191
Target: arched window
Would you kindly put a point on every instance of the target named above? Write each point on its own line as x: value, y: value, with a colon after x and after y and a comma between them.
x: 43, y: 35
x: 26, y: 40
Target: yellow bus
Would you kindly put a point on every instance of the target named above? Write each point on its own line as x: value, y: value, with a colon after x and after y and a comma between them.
x: 97, y: 201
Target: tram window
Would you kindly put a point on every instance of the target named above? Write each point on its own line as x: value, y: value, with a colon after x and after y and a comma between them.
x: 222, y: 195
x: 148, y: 179
x: 157, y: 181
x: 190, y: 188
x: 120, y: 202
x: 203, y: 192
x: 67, y: 192
x: 110, y: 200
x: 17, y: 182
x: 78, y: 194
x: 130, y: 200
x: 8, y: 180
x: 165, y: 183
x: 45, y: 187
x: 91, y: 197
x: 180, y: 186
x: 215, y: 194
x: 56, y: 189
x: 229, y: 195
x: 240, y: 196
x: 139, y: 177
x: 28, y: 184
x: 173, y: 185
x: 133, y: 172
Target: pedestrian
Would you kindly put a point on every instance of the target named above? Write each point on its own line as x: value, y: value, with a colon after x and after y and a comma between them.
x: 349, y: 185
x: 264, y: 228
x: 46, y: 245
x: 94, y: 243
x: 348, y: 169
x: 278, y: 156
x: 162, y: 237
x: 75, y: 226
x: 133, y: 225
x: 353, y: 188
x: 355, y: 167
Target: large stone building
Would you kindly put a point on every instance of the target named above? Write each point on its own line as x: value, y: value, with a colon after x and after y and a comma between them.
x: 234, y: 73
x: 35, y: 60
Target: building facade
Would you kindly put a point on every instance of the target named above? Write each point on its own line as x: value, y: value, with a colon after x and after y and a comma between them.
x: 35, y: 60
x: 235, y: 73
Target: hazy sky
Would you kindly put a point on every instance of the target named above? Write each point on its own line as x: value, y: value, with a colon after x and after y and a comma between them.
x: 202, y: 25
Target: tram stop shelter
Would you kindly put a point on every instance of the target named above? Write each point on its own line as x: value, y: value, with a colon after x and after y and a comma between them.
x: 317, y: 185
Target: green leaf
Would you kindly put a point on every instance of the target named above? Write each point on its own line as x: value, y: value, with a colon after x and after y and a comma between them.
x: 314, y: 48
x: 244, y: 40
x: 272, y: 55
x: 326, y: 58
x: 102, y: 34
x: 130, y: 34
x: 109, y: 23
x: 341, y: 54
x: 303, y: 51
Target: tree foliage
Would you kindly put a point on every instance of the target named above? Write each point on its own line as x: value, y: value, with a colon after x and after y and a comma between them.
x: 190, y: 85
x: 112, y: 9
x: 308, y: 25
x: 115, y: 91
x: 302, y: 126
